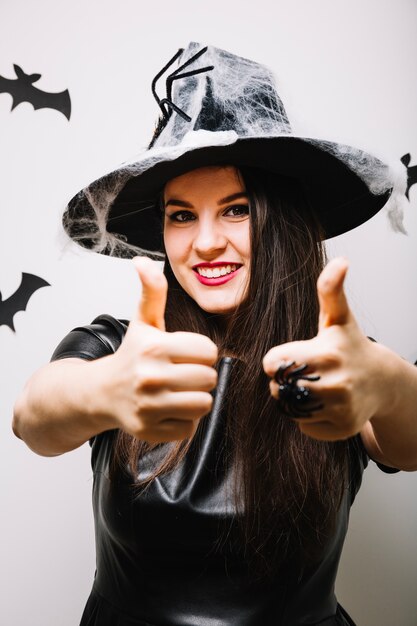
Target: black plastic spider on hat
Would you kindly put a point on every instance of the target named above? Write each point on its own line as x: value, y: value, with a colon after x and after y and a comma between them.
x: 222, y: 109
x: 166, y: 105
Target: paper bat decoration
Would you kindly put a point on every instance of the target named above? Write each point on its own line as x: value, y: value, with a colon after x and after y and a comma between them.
x: 19, y: 300
x: 411, y: 172
x: 22, y: 90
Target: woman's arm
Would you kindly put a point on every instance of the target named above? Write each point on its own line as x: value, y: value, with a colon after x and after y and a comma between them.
x: 61, y: 406
x: 154, y: 387
x: 390, y: 436
x: 364, y: 387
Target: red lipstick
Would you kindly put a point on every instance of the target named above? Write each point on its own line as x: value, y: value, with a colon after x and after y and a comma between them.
x: 219, y: 280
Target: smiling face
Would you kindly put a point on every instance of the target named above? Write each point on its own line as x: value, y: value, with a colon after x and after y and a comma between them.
x: 206, y: 235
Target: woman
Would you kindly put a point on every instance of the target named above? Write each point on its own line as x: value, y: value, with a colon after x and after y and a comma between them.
x: 220, y: 498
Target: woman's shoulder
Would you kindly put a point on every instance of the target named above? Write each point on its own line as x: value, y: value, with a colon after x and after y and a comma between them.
x: 100, y: 338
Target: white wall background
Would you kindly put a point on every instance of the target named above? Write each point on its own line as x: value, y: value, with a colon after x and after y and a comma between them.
x: 347, y: 71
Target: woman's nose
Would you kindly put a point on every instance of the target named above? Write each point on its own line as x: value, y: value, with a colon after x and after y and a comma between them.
x: 209, y: 238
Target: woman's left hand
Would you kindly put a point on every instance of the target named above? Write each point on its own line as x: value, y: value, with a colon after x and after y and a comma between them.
x: 351, y: 385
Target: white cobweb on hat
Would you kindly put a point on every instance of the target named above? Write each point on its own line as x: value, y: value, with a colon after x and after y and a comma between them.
x: 90, y: 228
x: 378, y: 173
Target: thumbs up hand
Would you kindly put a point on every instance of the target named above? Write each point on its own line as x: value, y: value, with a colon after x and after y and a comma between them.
x: 159, y: 382
x: 347, y: 362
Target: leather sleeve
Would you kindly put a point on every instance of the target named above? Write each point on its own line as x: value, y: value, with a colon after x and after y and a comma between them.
x: 100, y: 338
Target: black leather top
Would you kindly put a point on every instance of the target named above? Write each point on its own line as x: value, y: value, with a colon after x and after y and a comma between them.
x: 159, y: 557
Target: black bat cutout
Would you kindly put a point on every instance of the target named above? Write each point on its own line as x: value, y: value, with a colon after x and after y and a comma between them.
x: 411, y: 173
x: 19, y: 299
x: 22, y: 90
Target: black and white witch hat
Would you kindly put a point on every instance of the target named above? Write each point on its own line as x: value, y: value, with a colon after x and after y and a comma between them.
x: 224, y: 109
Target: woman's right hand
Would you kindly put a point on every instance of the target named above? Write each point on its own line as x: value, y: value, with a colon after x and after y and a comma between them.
x: 158, y: 382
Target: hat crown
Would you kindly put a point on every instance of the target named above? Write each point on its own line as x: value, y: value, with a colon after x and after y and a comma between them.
x: 234, y: 94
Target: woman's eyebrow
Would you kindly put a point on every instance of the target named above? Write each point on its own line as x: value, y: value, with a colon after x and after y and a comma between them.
x: 182, y: 203
x: 188, y: 205
x: 233, y: 196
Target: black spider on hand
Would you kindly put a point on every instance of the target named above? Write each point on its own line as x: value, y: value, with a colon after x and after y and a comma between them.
x: 295, y: 400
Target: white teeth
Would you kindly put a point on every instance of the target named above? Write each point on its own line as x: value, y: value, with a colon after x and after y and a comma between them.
x: 216, y: 271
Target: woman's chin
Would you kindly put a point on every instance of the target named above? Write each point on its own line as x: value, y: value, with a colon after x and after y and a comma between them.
x: 221, y: 309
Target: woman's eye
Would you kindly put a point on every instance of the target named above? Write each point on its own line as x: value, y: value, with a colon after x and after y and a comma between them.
x: 238, y: 210
x: 181, y: 216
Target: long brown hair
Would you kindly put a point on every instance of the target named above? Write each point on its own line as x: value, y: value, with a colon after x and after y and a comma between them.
x: 287, y: 487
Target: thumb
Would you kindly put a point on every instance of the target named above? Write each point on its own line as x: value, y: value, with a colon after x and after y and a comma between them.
x: 334, y: 308
x: 151, y: 308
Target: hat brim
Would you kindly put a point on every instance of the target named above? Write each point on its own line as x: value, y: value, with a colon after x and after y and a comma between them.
x: 338, y: 195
